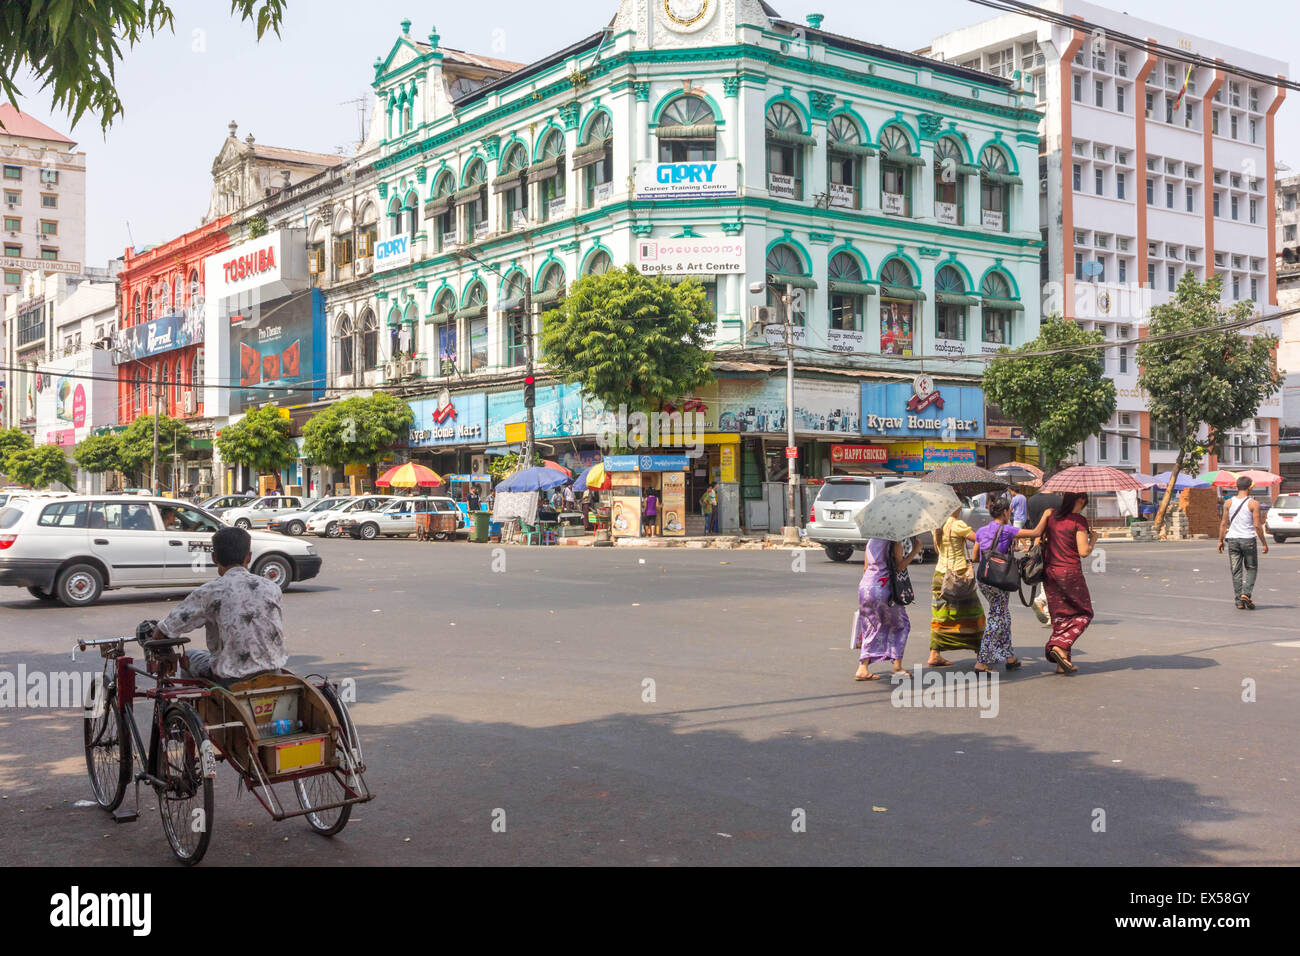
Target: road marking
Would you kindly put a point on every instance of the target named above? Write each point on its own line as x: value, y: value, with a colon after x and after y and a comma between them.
x: 1286, y: 643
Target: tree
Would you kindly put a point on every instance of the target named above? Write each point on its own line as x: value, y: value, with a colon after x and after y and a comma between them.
x: 99, y: 454
x: 39, y: 467
x: 1216, y: 379
x: 503, y: 466
x: 12, y: 440
x: 137, y: 444
x: 357, y: 431
x: 260, y: 440
x: 630, y: 339
x: 1058, y: 399
x: 73, y: 47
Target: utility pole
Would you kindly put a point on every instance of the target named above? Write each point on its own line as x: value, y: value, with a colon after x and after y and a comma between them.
x: 528, y: 374
x: 792, y: 474
x: 157, y: 410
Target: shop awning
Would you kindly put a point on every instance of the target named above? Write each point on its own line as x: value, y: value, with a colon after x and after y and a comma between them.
x: 506, y: 305
x: 473, y: 312
x: 790, y: 138
x: 697, y: 131
x: 549, y: 296
x: 503, y: 184
x: 963, y: 169
x: 996, y: 177
x: 591, y: 154
x: 545, y: 170
x: 469, y: 192
x: 436, y: 207
x: 1013, y: 305
x: 435, y: 317
x: 848, y: 287
x: 956, y: 298
x: 902, y: 292
x: 903, y: 159
x: 799, y: 282
x: 851, y: 149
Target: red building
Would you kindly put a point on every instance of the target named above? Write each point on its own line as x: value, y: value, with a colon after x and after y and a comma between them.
x: 160, y: 338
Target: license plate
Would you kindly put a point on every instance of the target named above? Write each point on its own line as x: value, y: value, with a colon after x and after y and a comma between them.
x: 308, y: 753
x: 837, y: 514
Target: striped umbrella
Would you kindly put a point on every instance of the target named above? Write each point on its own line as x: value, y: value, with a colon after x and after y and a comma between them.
x: 1020, y: 473
x: 409, y: 475
x: 594, y: 478
x: 1086, y: 478
x: 1220, y: 478
x: 967, y: 480
x: 1263, y: 477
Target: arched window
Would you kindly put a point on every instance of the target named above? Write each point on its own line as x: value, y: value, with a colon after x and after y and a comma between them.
x: 343, y: 248
x: 441, y: 208
x: 950, y: 168
x: 394, y: 217
x: 951, y: 300
x: 548, y: 173
x: 898, y: 308
x: 516, y: 325
x: 316, y: 237
x: 599, y: 263
x: 194, y: 291
x: 845, y: 150
x: 347, y: 345
x: 785, y: 269
x: 137, y: 394
x: 896, y: 162
x: 368, y: 234
x: 179, y: 390
x: 687, y: 132
x: 474, y: 312
x: 786, y: 141
x: 444, y: 331
x: 196, y: 374
x: 848, y: 290
x: 474, y: 196
x: 165, y: 396
x: 512, y: 186
x: 412, y: 213
x: 404, y: 334
x: 998, y: 308
x: 596, y: 158
x: 136, y: 316
x: 148, y: 305
x: 369, y: 341
x: 996, y: 180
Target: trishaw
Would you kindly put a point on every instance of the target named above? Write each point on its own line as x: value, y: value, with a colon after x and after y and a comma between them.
x: 274, y: 729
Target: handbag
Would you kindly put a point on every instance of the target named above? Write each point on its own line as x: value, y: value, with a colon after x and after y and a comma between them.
x: 998, y: 569
x: 900, y: 582
x: 956, y: 587
x: 1033, y: 568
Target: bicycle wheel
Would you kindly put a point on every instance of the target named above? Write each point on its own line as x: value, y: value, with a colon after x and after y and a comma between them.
x: 325, y: 788
x: 186, y: 802
x: 108, y: 745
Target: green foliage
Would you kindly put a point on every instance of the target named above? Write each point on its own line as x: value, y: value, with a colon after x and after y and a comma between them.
x: 136, y: 453
x: 12, y: 440
x: 73, y: 47
x: 503, y: 466
x: 630, y: 339
x: 39, y: 467
x: 260, y: 440
x: 99, y: 454
x: 1216, y: 379
x: 1059, y: 399
x: 257, y: 227
x: 357, y: 431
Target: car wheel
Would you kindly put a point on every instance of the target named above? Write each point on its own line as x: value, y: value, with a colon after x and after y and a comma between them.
x: 243, y: 523
x: 368, y: 532
x: 79, y: 586
x: 295, y: 528
x: 275, y: 569
x: 41, y: 594
x: 839, y: 552
x: 440, y: 536
x: 1279, y: 538
x: 332, y: 530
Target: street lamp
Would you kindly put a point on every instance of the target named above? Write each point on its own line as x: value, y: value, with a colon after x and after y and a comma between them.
x: 792, y: 477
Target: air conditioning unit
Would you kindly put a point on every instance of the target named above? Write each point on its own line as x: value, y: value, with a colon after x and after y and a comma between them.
x: 411, y: 368
x: 478, y: 464
x: 364, y: 266
x: 392, y: 370
x: 761, y: 316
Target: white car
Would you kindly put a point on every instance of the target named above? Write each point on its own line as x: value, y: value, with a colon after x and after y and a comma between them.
x: 1283, y: 519
x: 294, y: 523
x: 397, y: 517
x: 73, y: 549
x: 325, y: 524
x: 260, y: 512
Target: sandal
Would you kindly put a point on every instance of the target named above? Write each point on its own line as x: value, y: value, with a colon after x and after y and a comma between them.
x: 1062, y: 662
x: 1245, y: 599
x: 940, y: 663
x: 869, y: 676
x: 1013, y: 664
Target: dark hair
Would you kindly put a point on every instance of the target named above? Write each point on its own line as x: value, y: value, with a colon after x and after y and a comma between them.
x: 998, y: 507
x: 230, y: 546
x: 1244, y: 483
x: 1068, y: 501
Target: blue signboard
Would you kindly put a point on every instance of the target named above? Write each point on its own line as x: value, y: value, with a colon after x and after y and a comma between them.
x: 277, y: 351
x: 646, y: 463
x: 161, y: 335
x: 923, y: 410
x: 449, y: 419
x: 557, y: 413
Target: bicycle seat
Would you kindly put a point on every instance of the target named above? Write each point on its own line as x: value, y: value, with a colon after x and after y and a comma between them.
x: 164, y: 642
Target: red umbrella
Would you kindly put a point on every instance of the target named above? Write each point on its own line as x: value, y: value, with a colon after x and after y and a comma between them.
x: 1086, y: 478
x: 1263, y: 477
x: 558, y: 467
x: 409, y: 475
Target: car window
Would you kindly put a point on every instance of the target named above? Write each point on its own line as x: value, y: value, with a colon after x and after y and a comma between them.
x: 121, y: 516
x: 10, y: 516
x: 189, y: 519
x: 1288, y: 501
x: 845, y: 491
x: 291, y: 503
x: 65, y: 514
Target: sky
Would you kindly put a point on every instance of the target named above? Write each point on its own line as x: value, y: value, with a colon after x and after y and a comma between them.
x: 153, y: 168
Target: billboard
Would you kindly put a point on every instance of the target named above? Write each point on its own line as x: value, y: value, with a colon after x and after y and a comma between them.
x: 923, y: 410
x: 160, y: 335
x: 448, y: 419
x: 558, y: 412
x: 393, y: 253
x: 70, y: 399
x: 277, y: 351
x: 715, y: 179
x: 749, y: 405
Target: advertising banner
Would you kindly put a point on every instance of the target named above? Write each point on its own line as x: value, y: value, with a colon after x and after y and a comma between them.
x: 922, y: 410
x: 690, y: 256
x: 859, y: 454
x: 999, y: 426
x: 758, y: 405
x: 707, y: 180
x: 248, y: 265
x: 68, y: 409
x: 393, y: 253
x: 674, y: 504
x: 448, y: 419
x: 906, y: 456
x: 557, y: 414
x: 631, y: 463
x: 625, y: 515
x: 160, y: 335
x: 277, y: 351
x: 727, y: 463
x: 935, y: 455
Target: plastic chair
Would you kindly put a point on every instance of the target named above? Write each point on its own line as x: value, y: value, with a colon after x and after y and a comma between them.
x: 530, y: 532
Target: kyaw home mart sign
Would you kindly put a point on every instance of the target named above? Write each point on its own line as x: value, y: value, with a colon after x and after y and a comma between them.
x: 921, y: 409
x: 690, y: 256
x: 710, y: 180
x: 393, y: 253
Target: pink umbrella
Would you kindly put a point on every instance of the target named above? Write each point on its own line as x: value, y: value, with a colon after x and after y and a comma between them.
x: 558, y: 467
x: 1096, y: 478
x: 1263, y: 477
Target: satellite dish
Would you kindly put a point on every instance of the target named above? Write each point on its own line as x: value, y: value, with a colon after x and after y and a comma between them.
x: 1093, y: 268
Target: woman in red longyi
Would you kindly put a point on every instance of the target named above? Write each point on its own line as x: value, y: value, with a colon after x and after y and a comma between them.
x: 1070, y: 539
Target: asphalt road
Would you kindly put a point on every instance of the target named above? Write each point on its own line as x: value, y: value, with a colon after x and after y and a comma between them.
x: 510, y: 685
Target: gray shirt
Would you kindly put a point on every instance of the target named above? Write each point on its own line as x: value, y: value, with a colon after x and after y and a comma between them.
x: 241, y: 612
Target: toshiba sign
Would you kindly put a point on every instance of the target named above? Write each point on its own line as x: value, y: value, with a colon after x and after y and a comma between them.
x: 251, y: 263
x: 277, y: 258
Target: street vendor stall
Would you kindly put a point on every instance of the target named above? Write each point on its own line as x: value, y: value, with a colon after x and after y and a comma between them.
x: 632, y: 479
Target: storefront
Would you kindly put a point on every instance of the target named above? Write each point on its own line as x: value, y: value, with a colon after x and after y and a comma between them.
x: 922, y: 425
x: 632, y: 479
x: 449, y: 431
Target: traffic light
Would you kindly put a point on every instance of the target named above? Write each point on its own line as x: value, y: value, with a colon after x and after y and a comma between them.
x: 530, y: 391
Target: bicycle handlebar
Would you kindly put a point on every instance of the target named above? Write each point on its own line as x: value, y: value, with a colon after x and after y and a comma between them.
x: 82, y: 643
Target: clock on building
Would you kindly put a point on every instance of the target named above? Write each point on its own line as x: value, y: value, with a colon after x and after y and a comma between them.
x: 688, y: 14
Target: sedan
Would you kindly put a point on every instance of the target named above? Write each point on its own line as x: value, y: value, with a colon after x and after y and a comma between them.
x: 1283, y: 519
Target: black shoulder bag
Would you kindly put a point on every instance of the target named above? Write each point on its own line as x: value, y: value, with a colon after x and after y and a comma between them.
x: 1033, y: 566
x: 998, y: 569
x: 900, y: 582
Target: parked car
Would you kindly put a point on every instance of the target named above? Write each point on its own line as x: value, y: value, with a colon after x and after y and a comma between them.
x: 223, y: 503
x: 325, y: 524
x: 1283, y: 519
x: 260, y: 511
x: 73, y: 549
x: 294, y: 523
x: 397, y: 517
x: 833, y: 523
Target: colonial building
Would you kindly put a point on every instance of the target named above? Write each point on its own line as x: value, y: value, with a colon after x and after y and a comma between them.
x: 246, y: 172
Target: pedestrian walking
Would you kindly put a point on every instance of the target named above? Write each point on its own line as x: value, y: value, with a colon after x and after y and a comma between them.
x: 1070, y: 539
x: 1019, y: 509
x: 709, y: 508
x: 882, y: 626
x: 999, y: 535
x: 1241, y: 524
x: 651, y: 513
x: 1037, y: 506
x: 956, y: 615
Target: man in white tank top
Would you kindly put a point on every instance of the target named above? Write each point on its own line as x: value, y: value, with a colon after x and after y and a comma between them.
x: 1240, y: 526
